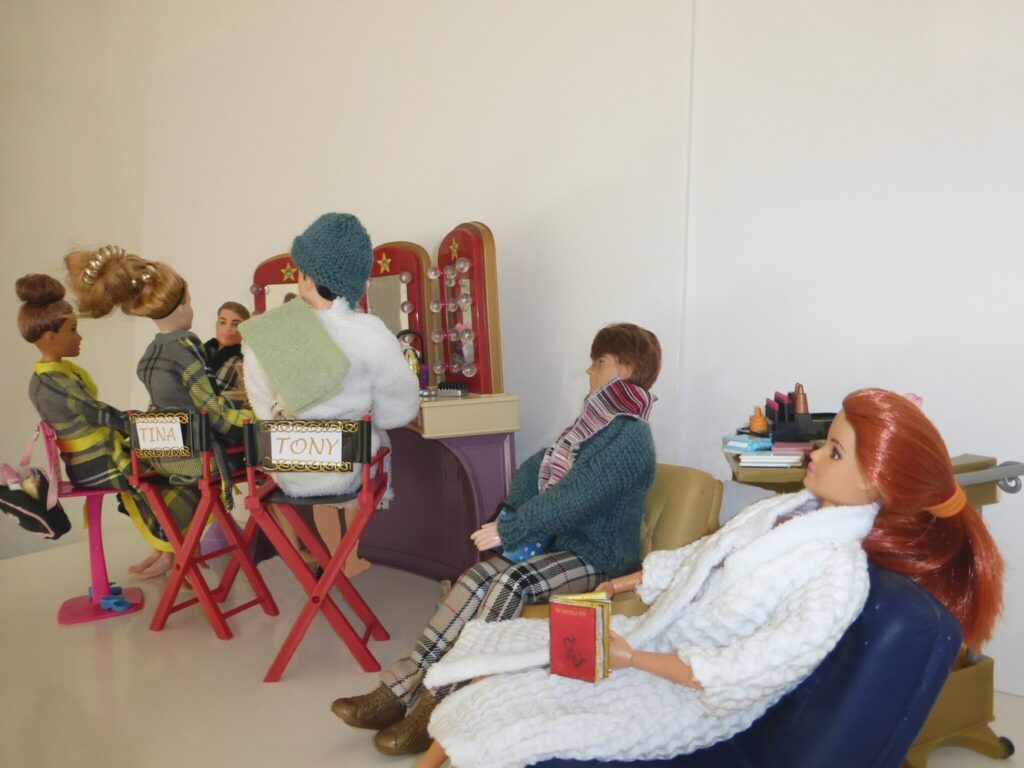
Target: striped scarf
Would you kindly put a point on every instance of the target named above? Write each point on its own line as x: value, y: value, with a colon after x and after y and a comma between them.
x: 616, y: 398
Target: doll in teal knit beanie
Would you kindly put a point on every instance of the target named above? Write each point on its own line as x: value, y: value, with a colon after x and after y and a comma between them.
x: 321, y: 358
x: 335, y: 252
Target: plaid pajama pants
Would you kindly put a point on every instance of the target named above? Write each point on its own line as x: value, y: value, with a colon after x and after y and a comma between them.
x: 493, y: 590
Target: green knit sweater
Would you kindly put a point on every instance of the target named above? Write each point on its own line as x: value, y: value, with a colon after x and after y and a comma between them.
x: 595, y: 511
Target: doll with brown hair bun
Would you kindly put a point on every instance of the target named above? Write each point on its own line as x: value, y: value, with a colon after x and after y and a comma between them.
x: 174, y: 366
x: 739, y: 618
x: 90, y: 433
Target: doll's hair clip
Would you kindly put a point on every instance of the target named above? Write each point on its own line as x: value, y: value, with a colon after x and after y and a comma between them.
x: 144, y: 277
x: 95, y: 266
x: 951, y: 506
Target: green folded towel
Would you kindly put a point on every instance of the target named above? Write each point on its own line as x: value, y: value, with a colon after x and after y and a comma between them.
x: 300, y: 358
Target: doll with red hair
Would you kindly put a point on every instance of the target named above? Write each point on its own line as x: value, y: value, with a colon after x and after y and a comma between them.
x: 739, y: 618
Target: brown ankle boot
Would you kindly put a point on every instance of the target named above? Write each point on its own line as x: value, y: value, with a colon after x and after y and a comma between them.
x: 377, y: 709
x: 410, y: 735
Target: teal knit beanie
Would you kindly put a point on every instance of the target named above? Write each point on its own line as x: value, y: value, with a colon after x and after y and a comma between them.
x: 335, y: 251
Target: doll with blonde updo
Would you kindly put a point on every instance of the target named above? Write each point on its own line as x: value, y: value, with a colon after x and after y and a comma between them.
x: 174, y: 367
x: 91, y: 434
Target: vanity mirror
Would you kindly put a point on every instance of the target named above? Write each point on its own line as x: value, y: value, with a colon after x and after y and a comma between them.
x: 465, y: 340
x: 274, y: 282
x: 444, y: 315
x: 397, y: 295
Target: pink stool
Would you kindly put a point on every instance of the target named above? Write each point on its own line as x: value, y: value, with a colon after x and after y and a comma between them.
x: 104, y: 600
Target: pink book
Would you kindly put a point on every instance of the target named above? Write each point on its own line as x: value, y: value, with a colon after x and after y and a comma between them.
x: 792, y: 447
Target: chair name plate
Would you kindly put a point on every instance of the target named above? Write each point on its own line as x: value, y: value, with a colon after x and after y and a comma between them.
x: 310, y: 446
x: 160, y: 435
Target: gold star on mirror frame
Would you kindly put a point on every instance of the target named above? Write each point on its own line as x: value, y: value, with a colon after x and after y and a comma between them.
x: 384, y: 262
x: 454, y: 249
x: 288, y: 273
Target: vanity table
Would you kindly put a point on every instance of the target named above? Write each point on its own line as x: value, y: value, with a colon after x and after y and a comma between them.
x: 449, y: 473
x: 790, y: 479
x: 452, y: 465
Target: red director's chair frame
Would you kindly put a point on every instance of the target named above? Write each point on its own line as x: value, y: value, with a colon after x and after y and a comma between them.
x: 187, y: 554
x: 265, y: 492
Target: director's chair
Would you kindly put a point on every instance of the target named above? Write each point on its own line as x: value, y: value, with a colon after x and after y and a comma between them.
x: 353, y: 447
x: 183, y: 435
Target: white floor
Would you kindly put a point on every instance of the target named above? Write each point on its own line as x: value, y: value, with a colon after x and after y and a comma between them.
x: 112, y: 694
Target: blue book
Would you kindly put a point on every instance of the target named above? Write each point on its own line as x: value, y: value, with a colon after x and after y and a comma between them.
x: 746, y: 443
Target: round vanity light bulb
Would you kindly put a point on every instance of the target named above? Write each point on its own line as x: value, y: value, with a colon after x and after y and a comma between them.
x: 450, y: 282
x: 456, y: 367
x: 436, y: 336
x: 449, y: 271
x: 433, y: 273
x: 453, y: 305
x: 405, y: 277
x: 469, y: 370
x: 467, y: 334
x: 453, y: 335
x: 438, y: 368
x: 408, y: 307
x: 435, y: 306
x: 462, y: 264
x: 465, y: 300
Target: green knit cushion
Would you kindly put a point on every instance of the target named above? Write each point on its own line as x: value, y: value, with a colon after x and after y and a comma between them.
x: 300, y: 358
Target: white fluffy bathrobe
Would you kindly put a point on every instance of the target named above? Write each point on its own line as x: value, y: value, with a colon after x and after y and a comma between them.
x: 378, y: 382
x: 752, y: 608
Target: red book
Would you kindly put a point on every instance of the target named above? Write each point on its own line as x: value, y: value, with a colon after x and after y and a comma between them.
x: 580, y: 631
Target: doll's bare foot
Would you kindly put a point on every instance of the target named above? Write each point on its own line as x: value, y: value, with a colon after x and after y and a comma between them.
x: 138, y: 568
x: 434, y: 757
x: 355, y: 565
x: 163, y: 563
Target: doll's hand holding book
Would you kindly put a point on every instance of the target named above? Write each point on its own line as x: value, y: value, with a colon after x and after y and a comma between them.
x: 580, y: 632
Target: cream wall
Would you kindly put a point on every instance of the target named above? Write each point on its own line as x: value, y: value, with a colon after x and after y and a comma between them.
x: 71, y: 173
x: 561, y: 126
x: 855, y: 220
x: 851, y: 203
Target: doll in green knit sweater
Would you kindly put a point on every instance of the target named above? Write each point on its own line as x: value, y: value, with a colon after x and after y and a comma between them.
x: 584, y: 495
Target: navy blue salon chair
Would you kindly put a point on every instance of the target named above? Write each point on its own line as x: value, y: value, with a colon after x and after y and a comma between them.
x: 864, y: 705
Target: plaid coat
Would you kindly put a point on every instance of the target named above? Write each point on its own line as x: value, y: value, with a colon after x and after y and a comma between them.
x: 91, y: 436
x: 174, y: 370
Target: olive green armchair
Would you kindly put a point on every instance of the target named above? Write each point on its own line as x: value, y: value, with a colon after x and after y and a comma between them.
x: 682, y: 506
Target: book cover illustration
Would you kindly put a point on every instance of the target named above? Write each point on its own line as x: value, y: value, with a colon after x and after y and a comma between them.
x: 580, y: 632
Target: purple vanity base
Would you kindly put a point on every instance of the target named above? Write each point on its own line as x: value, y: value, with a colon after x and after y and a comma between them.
x: 444, y: 490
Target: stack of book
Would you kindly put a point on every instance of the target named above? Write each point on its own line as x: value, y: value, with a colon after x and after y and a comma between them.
x: 771, y: 459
